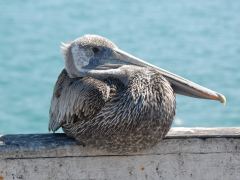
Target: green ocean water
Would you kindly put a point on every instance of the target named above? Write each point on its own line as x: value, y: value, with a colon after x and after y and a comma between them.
x: 199, y: 40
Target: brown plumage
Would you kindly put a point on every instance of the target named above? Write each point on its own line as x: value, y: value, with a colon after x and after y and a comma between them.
x: 113, y: 116
x: 114, y: 101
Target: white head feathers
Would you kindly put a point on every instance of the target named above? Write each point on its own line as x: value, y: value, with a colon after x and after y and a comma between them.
x: 64, y: 48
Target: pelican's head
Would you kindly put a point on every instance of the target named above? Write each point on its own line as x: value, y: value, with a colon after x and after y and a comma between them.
x: 93, y: 55
x: 87, y: 53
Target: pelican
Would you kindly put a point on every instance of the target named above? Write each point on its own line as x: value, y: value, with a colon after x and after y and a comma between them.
x: 112, y: 100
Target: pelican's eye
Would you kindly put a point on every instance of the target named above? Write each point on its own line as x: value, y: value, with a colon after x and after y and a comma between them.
x: 95, y: 50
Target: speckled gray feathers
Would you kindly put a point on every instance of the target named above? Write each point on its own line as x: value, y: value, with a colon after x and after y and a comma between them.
x: 108, y: 115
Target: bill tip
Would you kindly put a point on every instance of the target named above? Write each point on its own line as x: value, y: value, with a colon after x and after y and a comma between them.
x: 222, y: 99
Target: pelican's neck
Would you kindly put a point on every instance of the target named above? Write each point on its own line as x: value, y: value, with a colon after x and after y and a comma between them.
x: 104, y: 74
x: 122, y: 73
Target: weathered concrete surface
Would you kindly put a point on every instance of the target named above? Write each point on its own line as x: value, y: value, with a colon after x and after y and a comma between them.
x: 202, y: 154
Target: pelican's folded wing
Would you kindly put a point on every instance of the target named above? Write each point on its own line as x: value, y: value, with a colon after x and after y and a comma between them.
x: 76, y: 99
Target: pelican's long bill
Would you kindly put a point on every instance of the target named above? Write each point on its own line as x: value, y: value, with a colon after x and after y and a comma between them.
x: 179, y: 84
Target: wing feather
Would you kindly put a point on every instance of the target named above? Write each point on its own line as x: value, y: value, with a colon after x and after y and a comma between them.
x: 76, y: 99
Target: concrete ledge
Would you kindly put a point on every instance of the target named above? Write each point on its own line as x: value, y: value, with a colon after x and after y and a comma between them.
x: 212, y: 153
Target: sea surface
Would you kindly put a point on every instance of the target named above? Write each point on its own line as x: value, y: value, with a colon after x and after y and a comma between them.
x: 199, y: 40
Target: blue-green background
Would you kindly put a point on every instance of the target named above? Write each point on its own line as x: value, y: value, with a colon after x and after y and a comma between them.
x: 199, y: 40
